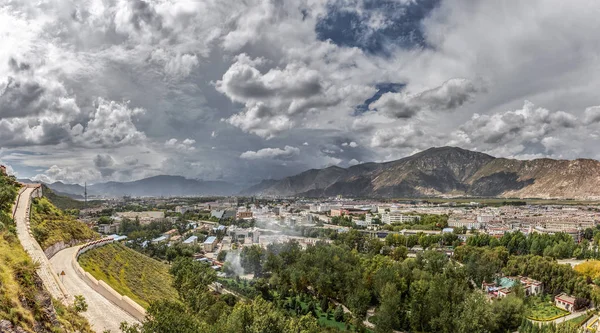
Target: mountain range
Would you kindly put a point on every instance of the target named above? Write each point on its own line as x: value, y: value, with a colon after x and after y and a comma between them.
x: 152, y: 187
x: 436, y: 172
x: 445, y: 171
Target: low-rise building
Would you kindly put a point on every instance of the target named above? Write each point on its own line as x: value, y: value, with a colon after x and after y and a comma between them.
x: 565, y: 302
x: 107, y: 228
x: 210, y: 243
x: 159, y: 239
x: 243, y: 215
x: 143, y: 217
x: 191, y: 240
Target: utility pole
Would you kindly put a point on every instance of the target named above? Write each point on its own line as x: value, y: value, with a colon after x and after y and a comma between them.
x: 85, y: 195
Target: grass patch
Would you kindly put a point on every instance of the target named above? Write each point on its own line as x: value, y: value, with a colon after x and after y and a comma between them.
x: 130, y: 273
x: 544, y: 311
x: 50, y: 225
x: 578, y: 321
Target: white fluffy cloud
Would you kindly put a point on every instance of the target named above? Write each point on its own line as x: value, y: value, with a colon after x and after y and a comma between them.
x: 449, y: 96
x: 278, y: 99
x: 271, y: 153
x: 187, y: 144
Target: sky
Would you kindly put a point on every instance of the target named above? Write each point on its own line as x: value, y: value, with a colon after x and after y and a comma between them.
x: 101, y: 90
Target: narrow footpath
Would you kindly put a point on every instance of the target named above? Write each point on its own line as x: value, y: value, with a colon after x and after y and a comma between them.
x: 45, y: 271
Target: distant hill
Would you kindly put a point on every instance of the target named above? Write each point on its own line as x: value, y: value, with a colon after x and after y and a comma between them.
x: 61, y: 201
x: 153, y: 186
x: 445, y: 171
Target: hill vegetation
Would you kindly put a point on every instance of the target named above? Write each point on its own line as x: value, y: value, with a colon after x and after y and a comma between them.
x: 50, y: 225
x: 61, y: 201
x: 130, y: 273
x: 24, y: 304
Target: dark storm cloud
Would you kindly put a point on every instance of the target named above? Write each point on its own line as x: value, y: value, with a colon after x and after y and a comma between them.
x: 16, y: 66
x: 144, y: 13
x: 20, y: 98
x: 103, y: 161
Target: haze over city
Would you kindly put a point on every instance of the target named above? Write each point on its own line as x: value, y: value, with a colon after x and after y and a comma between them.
x: 93, y: 91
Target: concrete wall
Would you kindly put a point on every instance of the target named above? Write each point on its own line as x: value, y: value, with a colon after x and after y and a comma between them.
x: 57, y: 247
x: 124, y: 302
x: 14, y: 208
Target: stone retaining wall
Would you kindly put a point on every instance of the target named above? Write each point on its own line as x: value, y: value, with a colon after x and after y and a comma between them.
x: 124, y: 302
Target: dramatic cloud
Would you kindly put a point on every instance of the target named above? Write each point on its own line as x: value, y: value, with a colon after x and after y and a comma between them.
x: 123, y: 89
x: 103, y: 161
x: 512, y: 131
x: 449, y: 96
x: 271, y: 153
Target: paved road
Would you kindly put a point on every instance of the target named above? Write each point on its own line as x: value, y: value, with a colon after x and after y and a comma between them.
x: 34, y: 250
x: 101, y: 313
x: 572, y: 262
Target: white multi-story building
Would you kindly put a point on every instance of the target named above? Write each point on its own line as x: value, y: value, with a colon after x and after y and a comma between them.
x: 319, y: 208
x: 467, y: 223
x: 485, y: 218
x: 397, y: 217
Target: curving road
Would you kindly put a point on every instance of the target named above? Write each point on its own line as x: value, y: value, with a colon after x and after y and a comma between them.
x: 34, y: 250
x: 102, y: 314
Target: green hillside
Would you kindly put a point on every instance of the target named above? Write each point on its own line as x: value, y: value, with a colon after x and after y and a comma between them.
x: 130, y: 273
x: 66, y: 203
x: 61, y: 201
x: 51, y: 225
x: 23, y: 301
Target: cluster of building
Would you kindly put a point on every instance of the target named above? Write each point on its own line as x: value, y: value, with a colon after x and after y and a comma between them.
x: 503, y: 286
x: 527, y: 219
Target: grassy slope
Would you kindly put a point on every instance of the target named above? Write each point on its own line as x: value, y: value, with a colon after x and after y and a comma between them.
x: 21, y: 296
x: 130, y: 273
x: 60, y: 201
x: 50, y: 225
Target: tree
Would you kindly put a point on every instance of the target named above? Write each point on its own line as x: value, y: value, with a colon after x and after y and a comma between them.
x: 474, y: 315
x: 168, y: 316
x: 324, y: 304
x: 358, y: 301
x: 251, y: 259
x: 508, y: 313
x: 80, y: 305
x: 338, y: 315
x: 388, y: 312
x: 399, y: 253
x: 222, y: 255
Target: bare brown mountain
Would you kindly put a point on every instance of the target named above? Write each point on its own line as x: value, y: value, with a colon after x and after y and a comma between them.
x: 442, y: 172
